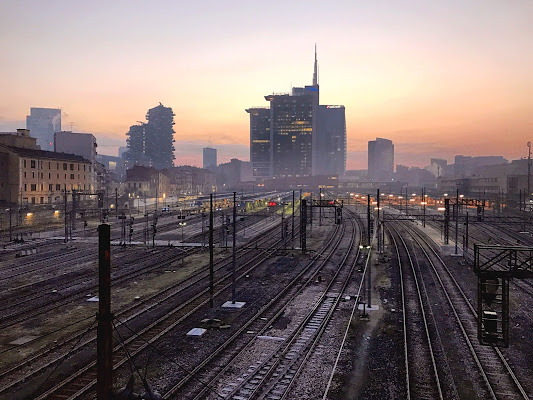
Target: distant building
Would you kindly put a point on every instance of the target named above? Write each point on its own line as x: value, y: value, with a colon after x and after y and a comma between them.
x: 234, y: 172
x: 29, y: 175
x: 331, y: 141
x: 291, y: 131
x: 42, y: 124
x: 209, y: 157
x: 437, y: 167
x: 122, y: 150
x: 380, y: 159
x: 146, y: 182
x: 295, y: 137
x: 465, y: 165
x: 152, y: 143
x: 260, y: 148
x: 114, y: 165
x: 81, y: 144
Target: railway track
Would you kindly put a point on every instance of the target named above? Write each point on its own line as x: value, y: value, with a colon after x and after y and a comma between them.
x: 82, y: 380
x: 185, y: 289
x: 498, y: 378
x: 273, y: 374
x: 421, y: 367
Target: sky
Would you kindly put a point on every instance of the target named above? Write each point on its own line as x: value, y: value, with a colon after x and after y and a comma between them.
x: 439, y: 78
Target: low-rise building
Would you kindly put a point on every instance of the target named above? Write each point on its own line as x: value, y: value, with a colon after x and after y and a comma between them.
x: 29, y: 175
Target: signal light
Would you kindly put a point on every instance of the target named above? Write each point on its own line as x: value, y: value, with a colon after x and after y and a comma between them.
x: 272, y: 203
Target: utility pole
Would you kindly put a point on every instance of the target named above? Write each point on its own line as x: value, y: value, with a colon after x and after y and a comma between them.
x: 116, y: 203
x: 211, y: 256
x: 368, y: 219
x: 424, y: 204
x: 10, y: 222
x: 234, y: 253
x: 377, y: 223
x: 292, y: 230
x: 104, y: 345
x: 465, y: 241
x: 456, y: 219
x: 528, y: 170
x: 66, y: 220
x: 320, y: 207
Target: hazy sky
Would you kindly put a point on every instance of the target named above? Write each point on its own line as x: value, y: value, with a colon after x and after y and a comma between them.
x: 439, y: 78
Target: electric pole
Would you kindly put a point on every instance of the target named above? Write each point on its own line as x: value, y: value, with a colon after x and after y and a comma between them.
x: 104, y: 345
x: 234, y: 253
x: 528, y: 170
x: 211, y: 255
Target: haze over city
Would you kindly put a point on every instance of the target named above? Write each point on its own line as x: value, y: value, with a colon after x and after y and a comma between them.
x: 437, y: 78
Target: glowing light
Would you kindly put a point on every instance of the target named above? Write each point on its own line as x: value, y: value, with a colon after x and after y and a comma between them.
x: 414, y: 194
x: 445, y: 194
x: 56, y: 212
x: 461, y: 196
x: 411, y: 199
x: 391, y: 195
x: 29, y: 214
x: 441, y: 209
x: 423, y: 203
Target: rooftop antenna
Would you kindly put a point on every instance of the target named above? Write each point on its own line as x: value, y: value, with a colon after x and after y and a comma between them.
x: 315, y: 71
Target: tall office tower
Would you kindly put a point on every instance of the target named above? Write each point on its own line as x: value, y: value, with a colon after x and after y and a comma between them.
x: 380, y: 159
x: 293, y: 122
x: 152, y: 143
x: 160, y: 136
x: 331, y: 141
x: 210, y: 157
x: 42, y: 124
x: 260, y: 141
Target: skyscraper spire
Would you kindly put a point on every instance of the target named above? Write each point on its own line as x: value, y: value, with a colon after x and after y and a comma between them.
x: 315, y: 72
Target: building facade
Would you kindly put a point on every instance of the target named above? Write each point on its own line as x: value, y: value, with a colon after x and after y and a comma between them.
x: 380, y: 159
x: 260, y: 147
x: 331, y: 141
x: 209, y: 157
x: 295, y: 137
x: 29, y: 175
x: 42, y: 124
x: 152, y: 143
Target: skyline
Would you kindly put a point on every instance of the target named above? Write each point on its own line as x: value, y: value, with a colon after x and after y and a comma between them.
x: 426, y: 76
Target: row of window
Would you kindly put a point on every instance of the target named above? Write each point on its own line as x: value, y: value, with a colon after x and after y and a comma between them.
x: 34, y: 186
x: 72, y: 176
x: 66, y: 166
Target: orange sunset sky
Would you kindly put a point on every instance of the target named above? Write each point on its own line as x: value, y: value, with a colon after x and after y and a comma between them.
x: 439, y: 78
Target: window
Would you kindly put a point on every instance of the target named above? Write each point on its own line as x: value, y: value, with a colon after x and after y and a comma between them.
x: 24, y: 174
x: 78, y: 167
x: 50, y: 187
x: 71, y: 176
x: 49, y: 175
x: 41, y: 175
x: 57, y: 166
x: 24, y: 163
x: 42, y: 187
x: 33, y: 175
x: 78, y: 176
x: 72, y: 167
x: 42, y: 200
x: 33, y: 200
x: 58, y: 176
x: 65, y: 176
x: 33, y: 187
x: 25, y: 187
x: 32, y: 163
x: 58, y: 186
x: 84, y: 167
x: 89, y: 168
x: 49, y: 165
x: 65, y: 166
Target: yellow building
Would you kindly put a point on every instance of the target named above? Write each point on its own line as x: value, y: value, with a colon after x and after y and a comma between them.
x: 29, y: 175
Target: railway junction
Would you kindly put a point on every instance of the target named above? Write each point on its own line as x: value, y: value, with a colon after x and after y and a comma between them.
x: 274, y: 296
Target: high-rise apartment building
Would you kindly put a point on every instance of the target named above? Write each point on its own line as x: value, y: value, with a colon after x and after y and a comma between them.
x: 209, y: 157
x: 331, y: 141
x: 42, y: 124
x: 152, y: 143
x: 260, y: 141
x: 380, y: 159
x: 297, y: 137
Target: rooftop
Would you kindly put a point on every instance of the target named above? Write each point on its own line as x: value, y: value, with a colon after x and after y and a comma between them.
x: 45, y: 154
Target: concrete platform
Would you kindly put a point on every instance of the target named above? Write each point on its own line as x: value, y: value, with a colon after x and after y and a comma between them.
x: 196, y: 332
x: 236, y: 305
x: 362, y: 307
